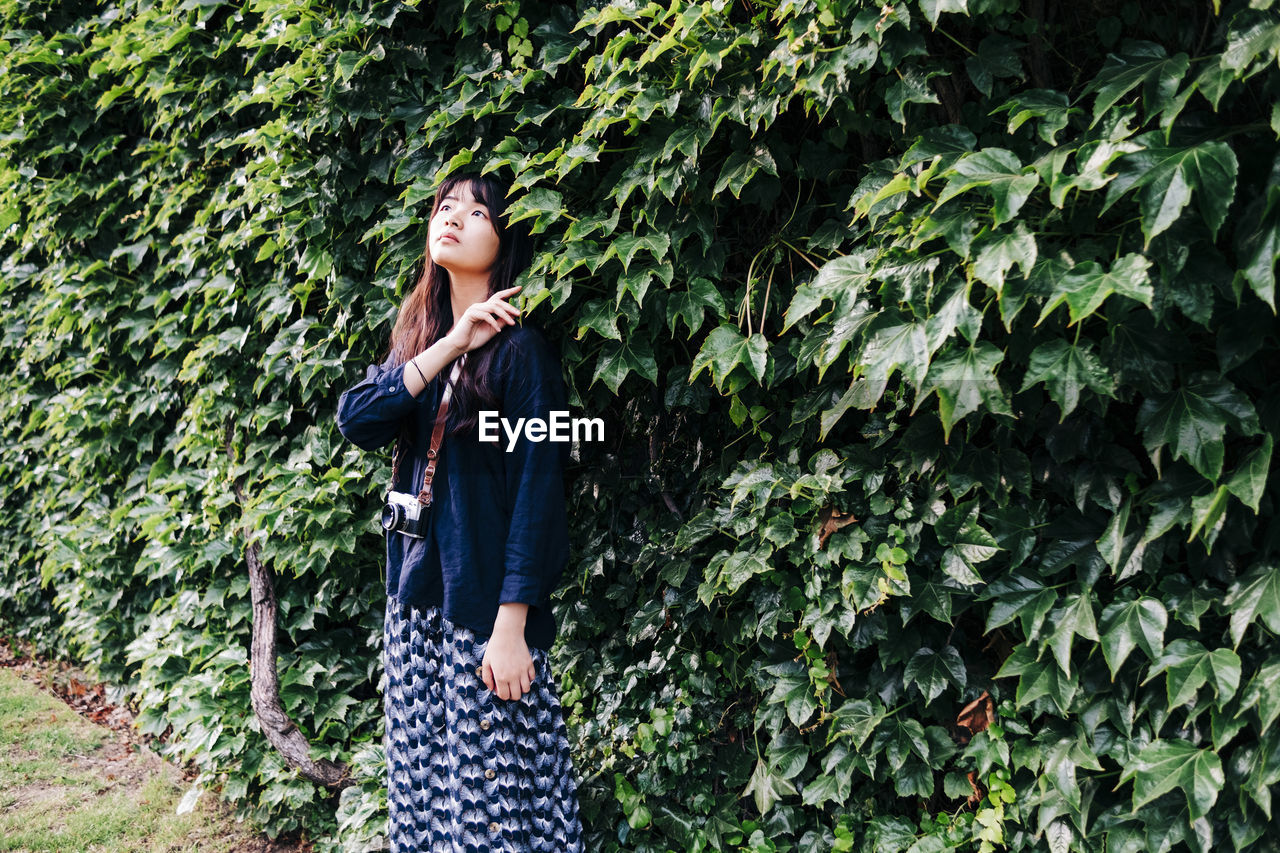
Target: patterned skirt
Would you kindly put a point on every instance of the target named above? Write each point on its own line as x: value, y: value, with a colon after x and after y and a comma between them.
x: 467, y: 771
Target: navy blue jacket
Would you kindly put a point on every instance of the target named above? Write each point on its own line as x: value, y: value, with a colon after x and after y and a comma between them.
x: 499, y: 531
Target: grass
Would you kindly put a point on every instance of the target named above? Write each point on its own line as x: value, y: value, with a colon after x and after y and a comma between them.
x: 67, y: 784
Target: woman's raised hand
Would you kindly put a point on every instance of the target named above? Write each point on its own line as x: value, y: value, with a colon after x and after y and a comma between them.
x: 482, y: 320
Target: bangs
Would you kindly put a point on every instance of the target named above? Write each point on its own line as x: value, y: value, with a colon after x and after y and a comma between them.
x: 483, y: 189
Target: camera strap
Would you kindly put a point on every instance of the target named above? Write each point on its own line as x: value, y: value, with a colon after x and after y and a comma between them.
x: 437, y: 433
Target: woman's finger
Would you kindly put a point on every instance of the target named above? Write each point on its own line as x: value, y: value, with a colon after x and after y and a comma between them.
x: 487, y: 311
x: 504, y: 317
x: 476, y: 313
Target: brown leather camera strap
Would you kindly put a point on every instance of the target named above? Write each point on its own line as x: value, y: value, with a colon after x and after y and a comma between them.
x: 437, y: 433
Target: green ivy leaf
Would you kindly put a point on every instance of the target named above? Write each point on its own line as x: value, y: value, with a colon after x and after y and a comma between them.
x: 998, y: 57
x: 633, y: 805
x: 1039, y: 679
x: 1208, y: 512
x: 1257, y: 240
x: 1255, y: 596
x: 1076, y: 618
x: 1260, y: 38
x: 932, y: 671
x: 1189, y: 666
x: 788, y: 755
x: 1165, y: 765
x: 1087, y: 286
x: 1127, y: 625
x: 617, y: 360
x: 1193, y: 419
x: 541, y: 204
x: 902, y: 346
x: 741, y: 566
x: 726, y: 348
x: 599, y: 316
x: 841, y: 280
x: 915, y: 779
x: 956, y: 227
x: 1066, y: 369
x: 624, y: 247
x: 821, y: 789
x: 933, y: 9
x: 965, y: 382
x: 910, y: 87
x: 1001, y: 173
x: 855, y: 719
x: 690, y: 306
x: 792, y: 689
x: 967, y: 543
x: 1168, y: 177
x: 997, y: 257
x: 1051, y: 107
x: 741, y: 167
x: 1148, y: 65
x: 1019, y: 597
x: 1263, y: 692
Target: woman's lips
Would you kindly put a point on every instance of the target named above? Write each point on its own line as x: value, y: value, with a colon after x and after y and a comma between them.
x: 444, y: 237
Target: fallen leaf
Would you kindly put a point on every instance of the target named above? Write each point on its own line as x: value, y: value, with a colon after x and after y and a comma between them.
x: 832, y: 520
x: 978, y: 793
x: 977, y: 715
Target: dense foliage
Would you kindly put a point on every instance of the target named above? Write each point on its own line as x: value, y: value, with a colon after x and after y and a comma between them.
x: 932, y: 340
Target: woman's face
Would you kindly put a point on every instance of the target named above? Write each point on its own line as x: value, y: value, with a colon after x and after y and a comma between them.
x: 461, y: 237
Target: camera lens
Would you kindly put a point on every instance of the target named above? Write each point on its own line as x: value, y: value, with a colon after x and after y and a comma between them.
x: 392, y: 516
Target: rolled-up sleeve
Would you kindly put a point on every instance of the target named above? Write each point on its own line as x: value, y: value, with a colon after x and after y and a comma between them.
x: 370, y: 412
x: 537, y: 540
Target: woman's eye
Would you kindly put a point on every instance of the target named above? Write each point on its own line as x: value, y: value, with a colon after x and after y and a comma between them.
x: 479, y: 213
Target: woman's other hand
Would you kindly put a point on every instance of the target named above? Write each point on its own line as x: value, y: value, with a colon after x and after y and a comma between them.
x: 482, y: 320
x: 507, y: 665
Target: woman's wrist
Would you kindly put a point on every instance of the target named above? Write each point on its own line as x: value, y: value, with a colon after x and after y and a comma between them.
x: 511, y: 618
x: 447, y: 348
x: 442, y: 349
x: 426, y: 365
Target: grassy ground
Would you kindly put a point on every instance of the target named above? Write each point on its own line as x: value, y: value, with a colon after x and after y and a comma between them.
x: 67, y: 784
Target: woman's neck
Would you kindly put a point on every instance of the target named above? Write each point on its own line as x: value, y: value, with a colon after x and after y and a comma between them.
x: 466, y: 290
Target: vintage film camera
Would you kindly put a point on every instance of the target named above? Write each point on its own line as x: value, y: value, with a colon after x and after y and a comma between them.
x: 403, y: 514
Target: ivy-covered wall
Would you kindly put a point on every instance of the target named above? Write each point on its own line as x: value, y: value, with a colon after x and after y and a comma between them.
x: 935, y: 342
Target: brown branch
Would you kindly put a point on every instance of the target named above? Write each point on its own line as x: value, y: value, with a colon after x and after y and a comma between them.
x: 952, y: 99
x: 653, y: 461
x: 1038, y: 61
x: 264, y: 690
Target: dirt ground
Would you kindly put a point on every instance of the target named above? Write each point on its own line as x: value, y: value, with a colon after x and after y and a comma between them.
x: 121, y: 759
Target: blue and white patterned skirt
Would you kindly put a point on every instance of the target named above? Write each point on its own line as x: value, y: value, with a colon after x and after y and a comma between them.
x: 467, y: 771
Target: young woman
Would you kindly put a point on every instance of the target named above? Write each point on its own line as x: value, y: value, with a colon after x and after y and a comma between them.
x: 477, y: 752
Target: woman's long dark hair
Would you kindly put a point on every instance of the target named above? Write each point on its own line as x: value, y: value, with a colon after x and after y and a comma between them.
x: 427, y: 312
